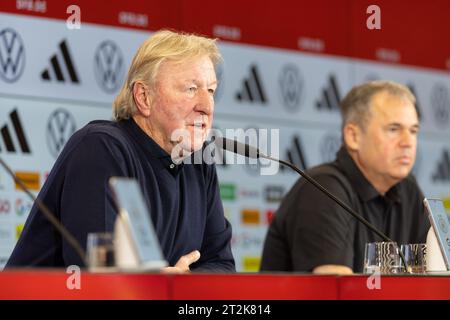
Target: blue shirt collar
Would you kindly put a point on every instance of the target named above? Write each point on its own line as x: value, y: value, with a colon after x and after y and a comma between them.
x: 149, y: 145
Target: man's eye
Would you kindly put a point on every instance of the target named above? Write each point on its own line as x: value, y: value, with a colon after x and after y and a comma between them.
x: 192, y: 89
x: 211, y: 91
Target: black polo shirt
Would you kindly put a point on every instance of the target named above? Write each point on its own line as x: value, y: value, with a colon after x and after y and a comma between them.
x: 184, y: 201
x: 310, y: 230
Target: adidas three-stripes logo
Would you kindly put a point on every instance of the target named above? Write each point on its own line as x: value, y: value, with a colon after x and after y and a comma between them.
x: 331, y: 97
x: 295, y: 154
x: 61, y: 66
x: 7, y: 137
x: 252, y: 89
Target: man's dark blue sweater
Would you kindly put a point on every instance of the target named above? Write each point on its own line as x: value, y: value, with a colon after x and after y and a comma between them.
x: 183, y: 200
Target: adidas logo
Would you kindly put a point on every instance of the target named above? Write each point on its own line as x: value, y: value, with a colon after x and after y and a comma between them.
x: 442, y: 172
x: 417, y: 106
x: 295, y: 155
x: 331, y: 98
x: 252, y: 89
x: 57, y: 61
x: 21, y: 141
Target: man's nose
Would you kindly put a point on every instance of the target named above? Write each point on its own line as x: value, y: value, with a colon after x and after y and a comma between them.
x: 408, y: 138
x: 205, y: 102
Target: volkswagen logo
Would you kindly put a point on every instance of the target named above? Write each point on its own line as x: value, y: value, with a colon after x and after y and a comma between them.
x: 440, y: 102
x: 60, y: 126
x: 329, y: 146
x: 291, y: 87
x: 12, y: 55
x: 109, y: 66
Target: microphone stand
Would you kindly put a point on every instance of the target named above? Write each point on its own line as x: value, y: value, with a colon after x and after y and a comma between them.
x: 339, y: 202
x: 48, y: 215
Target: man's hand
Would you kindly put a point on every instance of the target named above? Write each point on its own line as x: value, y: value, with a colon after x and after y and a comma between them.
x: 332, y: 269
x: 182, y: 266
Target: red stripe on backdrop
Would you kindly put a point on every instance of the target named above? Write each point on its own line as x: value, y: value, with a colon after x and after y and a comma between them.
x: 412, y: 32
x: 319, y: 26
x: 136, y: 14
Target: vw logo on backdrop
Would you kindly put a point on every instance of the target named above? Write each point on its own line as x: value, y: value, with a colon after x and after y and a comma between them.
x: 291, y: 85
x: 109, y: 66
x: 329, y: 146
x: 12, y: 55
x: 60, y: 127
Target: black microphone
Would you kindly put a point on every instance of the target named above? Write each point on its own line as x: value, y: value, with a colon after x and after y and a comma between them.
x: 48, y: 215
x: 254, y: 153
x: 237, y: 147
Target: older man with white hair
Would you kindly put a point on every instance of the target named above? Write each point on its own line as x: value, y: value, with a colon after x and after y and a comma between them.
x: 169, y: 88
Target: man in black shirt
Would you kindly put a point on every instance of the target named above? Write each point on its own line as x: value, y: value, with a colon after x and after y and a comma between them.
x: 162, y: 115
x: 371, y: 174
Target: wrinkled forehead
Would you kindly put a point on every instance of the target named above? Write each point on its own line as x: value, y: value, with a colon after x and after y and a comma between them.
x: 198, y: 68
x: 389, y: 108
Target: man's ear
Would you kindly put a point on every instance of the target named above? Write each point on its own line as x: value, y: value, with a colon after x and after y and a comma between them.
x: 352, y: 136
x: 142, y: 99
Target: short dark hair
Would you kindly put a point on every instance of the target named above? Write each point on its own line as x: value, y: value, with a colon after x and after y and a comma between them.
x: 356, y: 106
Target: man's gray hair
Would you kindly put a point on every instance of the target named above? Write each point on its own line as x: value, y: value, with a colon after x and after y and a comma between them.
x: 356, y: 106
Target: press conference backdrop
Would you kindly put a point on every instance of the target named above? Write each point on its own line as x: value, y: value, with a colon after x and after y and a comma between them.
x: 286, y: 67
